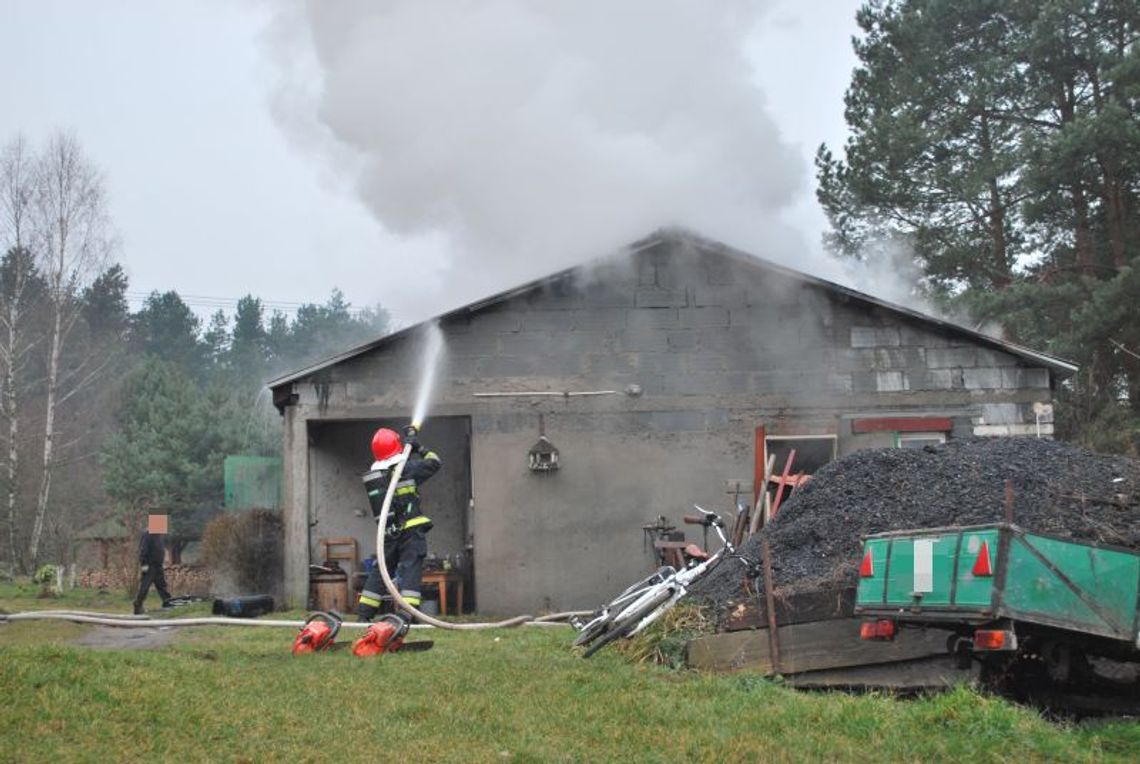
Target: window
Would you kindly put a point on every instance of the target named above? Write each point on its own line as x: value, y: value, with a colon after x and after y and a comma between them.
x: 917, y: 440
x: 812, y: 451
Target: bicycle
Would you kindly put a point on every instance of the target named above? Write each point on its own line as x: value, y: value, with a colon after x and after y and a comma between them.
x: 647, y: 600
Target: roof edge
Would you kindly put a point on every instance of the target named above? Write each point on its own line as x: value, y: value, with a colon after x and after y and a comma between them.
x: 1060, y: 366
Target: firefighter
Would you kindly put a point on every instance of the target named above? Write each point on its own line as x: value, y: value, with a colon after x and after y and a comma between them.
x: 405, y: 534
x: 152, y: 555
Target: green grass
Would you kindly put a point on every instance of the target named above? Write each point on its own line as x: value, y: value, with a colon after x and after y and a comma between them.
x: 234, y: 694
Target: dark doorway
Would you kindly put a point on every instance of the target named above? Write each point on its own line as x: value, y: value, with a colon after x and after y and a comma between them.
x: 340, y: 453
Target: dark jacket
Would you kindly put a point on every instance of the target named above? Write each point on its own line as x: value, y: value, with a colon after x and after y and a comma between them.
x: 406, y: 512
x: 152, y: 548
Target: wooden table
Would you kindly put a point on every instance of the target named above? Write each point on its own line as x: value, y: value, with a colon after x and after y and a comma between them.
x: 442, y: 578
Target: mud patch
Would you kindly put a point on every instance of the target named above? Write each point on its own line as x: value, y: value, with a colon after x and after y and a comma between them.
x: 118, y: 638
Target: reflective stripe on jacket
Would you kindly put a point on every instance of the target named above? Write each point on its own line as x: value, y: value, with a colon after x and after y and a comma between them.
x: 405, y: 512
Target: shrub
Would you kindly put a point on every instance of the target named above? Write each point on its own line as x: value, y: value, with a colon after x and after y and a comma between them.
x: 45, y: 575
x: 245, y: 552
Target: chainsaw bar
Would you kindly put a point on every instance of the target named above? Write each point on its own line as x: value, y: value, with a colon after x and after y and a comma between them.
x: 417, y: 647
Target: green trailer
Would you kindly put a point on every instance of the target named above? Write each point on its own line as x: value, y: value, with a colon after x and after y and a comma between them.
x: 1019, y: 602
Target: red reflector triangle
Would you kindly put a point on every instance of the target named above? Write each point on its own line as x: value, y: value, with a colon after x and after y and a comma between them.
x: 982, y: 566
x: 867, y: 569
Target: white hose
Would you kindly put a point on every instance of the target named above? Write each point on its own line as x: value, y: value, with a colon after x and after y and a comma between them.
x: 426, y: 621
x: 137, y: 622
x: 391, y: 587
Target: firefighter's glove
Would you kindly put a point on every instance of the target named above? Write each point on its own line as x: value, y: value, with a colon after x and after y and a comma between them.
x: 411, y: 438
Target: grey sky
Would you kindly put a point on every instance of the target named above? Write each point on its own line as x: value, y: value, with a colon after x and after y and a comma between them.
x: 213, y: 192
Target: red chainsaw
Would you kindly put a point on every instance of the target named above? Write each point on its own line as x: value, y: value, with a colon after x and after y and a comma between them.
x: 318, y: 634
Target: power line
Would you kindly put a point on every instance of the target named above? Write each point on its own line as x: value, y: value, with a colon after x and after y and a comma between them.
x: 207, y: 301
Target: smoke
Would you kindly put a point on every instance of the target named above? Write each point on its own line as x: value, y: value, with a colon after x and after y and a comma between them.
x: 532, y: 134
x: 521, y: 136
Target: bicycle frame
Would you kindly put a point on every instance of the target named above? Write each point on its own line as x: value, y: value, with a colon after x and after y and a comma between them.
x: 647, y: 600
x: 679, y: 583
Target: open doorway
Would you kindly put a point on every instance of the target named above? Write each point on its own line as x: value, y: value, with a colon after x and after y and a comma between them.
x: 340, y: 453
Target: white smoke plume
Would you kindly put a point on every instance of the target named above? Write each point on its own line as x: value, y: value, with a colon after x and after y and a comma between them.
x: 522, y: 136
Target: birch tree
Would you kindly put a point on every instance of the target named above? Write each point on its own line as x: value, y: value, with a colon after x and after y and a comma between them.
x: 17, y: 294
x: 73, y: 244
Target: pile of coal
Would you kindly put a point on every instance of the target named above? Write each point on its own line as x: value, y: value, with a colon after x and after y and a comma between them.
x: 1056, y: 488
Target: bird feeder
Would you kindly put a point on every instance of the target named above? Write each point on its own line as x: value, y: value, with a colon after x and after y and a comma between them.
x: 543, y: 456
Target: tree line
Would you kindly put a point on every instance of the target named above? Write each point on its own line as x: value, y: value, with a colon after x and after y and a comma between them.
x: 111, y: 413
x: 999, y: 142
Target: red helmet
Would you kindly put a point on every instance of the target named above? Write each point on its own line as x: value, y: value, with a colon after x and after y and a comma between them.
x: 386, y: 444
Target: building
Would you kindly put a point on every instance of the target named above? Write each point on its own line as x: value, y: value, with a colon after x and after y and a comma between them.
x: 656, y: 378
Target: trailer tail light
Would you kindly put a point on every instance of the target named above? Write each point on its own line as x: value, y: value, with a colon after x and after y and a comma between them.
x: 867, y: 569
x: 994, y: 639
x: 982, y: 566
x: 882, y: 631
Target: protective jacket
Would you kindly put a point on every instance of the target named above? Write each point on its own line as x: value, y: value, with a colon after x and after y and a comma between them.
x: 405, y: 544
x: 152, y: 548
x: 405, y: 512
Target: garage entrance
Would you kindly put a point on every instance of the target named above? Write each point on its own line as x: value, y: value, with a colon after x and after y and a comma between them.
x: 339, y: 454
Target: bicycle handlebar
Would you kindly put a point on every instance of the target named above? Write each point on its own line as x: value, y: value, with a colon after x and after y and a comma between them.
x: 708, y: 519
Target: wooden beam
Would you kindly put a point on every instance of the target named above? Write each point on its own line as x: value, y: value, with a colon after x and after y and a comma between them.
x: 902, y: 424
x: 822, y: 605
x: 760, y: 452
x: 937, y: 671
x: 783, y: 482
x: 760, y: 513
x: 811, y: 647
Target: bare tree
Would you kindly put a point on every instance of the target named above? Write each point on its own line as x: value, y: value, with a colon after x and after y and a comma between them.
x: 17, y: 269
x: 73, y: 243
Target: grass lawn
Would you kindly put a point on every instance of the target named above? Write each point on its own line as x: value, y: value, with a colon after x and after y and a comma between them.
x: 236, y: 694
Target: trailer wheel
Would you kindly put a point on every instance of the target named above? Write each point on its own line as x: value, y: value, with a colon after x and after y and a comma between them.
x: 1058, y: 657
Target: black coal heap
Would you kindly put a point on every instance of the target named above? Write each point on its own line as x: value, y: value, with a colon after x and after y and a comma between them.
x: 1058, y: 489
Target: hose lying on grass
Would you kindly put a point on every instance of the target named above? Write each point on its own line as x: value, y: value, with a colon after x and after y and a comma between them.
x: 425, y: 621
x: 133, y: 621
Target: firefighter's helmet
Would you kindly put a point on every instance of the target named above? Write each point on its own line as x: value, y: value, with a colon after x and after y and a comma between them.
x: 386, y: 444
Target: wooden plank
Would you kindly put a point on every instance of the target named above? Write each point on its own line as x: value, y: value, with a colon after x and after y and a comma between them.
x: 760, y: 512
x: 798, y: 608
x: 902, y: 424
x: 760, y: 454
x: 783, y: 482
x: 811, y: 647
x: 935, y: 672
x: 740, y: 526
x: 770, y: 606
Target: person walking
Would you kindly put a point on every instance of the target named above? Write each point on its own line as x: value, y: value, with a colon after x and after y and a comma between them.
x: 152, y: 556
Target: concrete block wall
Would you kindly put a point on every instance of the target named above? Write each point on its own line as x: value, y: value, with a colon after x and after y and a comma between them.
x: 712, y: 347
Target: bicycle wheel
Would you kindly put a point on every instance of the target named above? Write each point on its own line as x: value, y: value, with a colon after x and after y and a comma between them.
x: 593, y: 629
x: 627, y: 622
x: 604, y: 616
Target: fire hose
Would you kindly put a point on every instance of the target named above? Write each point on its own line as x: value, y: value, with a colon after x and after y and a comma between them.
x: 425, y: 621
